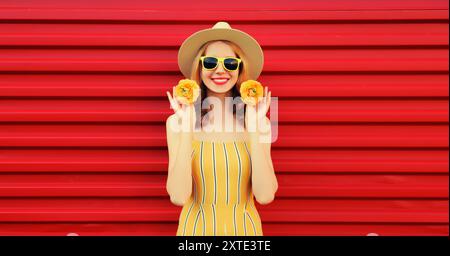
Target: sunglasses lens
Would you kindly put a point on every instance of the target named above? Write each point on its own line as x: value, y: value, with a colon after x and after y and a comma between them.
x: 210, y: 62
x: 231, y: 64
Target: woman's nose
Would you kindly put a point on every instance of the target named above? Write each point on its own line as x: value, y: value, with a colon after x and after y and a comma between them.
x: 220, y: 68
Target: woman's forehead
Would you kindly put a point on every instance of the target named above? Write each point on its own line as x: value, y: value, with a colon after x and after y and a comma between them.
x: 220, y: 50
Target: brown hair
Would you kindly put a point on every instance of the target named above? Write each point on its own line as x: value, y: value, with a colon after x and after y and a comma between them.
x: 243, y: 76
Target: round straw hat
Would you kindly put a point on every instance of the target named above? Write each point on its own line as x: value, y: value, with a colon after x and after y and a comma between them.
x: 221, y: 31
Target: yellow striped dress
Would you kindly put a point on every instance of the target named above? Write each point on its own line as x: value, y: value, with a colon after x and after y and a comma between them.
x: 222, y: 202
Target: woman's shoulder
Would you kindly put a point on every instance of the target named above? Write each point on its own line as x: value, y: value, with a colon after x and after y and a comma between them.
x: 171, y: 124
x: 171, y: 117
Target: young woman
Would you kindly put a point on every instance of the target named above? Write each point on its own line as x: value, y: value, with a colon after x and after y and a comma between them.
x: 214, y: 173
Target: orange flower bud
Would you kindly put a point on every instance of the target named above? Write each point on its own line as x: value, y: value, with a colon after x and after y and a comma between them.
x: 251, y: 92
x: 187, y: 91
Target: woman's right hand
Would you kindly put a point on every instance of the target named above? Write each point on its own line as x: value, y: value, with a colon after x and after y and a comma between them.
x: 184, y: 112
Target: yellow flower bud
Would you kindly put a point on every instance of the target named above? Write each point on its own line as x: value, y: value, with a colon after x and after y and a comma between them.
x: 251, y: 92
x: 187, y: 91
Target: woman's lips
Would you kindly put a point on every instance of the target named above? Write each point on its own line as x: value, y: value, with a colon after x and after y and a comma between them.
x: 221, y: 81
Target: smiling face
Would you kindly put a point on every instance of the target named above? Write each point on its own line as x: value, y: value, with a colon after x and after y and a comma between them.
x: 211, y: 78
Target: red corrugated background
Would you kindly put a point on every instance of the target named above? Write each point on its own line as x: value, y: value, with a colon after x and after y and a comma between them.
x: 363, y: 137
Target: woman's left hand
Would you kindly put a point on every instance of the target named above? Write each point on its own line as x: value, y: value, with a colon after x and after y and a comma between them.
x: 258, y: 112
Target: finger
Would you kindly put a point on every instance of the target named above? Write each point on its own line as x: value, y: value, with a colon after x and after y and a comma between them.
x: 265, y: 96
x: 179, y: 111
x: 172, y: 102
x: 170, y: 99
x: 269, y: 100
x: 174, y: 93
x: 175, y: 106
x: 177, y: 102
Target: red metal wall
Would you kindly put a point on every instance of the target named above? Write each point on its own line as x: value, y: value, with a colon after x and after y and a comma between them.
x: 363, y: 138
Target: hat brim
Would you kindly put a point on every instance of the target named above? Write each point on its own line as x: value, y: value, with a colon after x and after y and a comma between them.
x: 248, y: 44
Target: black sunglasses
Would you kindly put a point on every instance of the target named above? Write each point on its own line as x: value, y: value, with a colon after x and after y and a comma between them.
x: 229, y: 63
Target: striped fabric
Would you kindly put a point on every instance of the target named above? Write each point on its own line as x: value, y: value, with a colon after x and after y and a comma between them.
x: 222, y: 200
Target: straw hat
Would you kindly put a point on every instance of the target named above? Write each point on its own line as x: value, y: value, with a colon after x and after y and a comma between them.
x: 221, y: 31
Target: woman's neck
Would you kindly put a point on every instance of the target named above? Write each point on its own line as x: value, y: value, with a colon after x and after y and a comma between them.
x: 223, y: 112
x: 221, y: 96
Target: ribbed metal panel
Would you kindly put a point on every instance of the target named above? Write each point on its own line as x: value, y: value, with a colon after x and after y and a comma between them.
x: 363, y: 108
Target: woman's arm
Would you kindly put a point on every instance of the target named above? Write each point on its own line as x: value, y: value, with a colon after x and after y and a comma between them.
x: 264, y: 181
x: 179, y: 180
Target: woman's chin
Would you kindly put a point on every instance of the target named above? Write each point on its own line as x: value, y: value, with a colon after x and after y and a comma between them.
x: 220, y: 88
